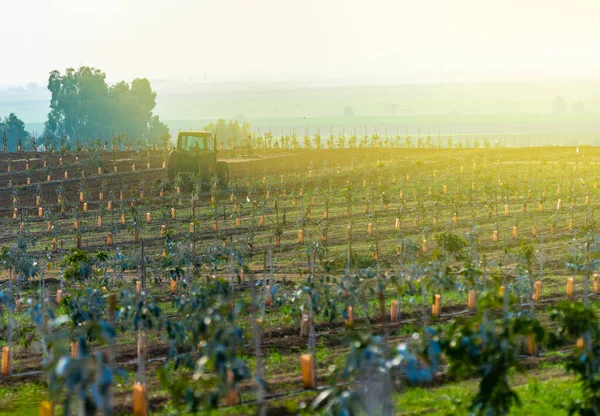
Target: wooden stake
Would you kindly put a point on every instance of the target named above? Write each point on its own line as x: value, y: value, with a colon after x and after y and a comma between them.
x: 531, y: 347
x: 231, y: 397
x: 350, y: 320
x: 6, y: 367
x: 308, y: 376
x: 139, y: 400
x: 45, y: 409
x: 437, y: 307
x: 537, y: 291
x: 394, y: 311
x: 472, y: 303
x: 570, y: 283
x: 74, y: 349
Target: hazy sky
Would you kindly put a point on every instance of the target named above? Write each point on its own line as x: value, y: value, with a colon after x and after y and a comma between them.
x: 302, y: 39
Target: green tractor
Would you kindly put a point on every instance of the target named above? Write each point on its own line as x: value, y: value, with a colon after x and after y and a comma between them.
x: 196, y: 158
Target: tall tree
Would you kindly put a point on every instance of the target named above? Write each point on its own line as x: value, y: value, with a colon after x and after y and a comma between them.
x: 13, y: 131
x: 157, y: 130
x: 84, y: 107
x: 78, y: 103
x: 229, y: 132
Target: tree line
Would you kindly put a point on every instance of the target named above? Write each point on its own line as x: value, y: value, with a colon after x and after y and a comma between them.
x: 84, y: 108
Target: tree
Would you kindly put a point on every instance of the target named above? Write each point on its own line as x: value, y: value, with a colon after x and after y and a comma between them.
x: 13, y: 128
x: 78, y: 103
x: 578, y: 107
x: 84, y: 107
x: 229, y: 132
x: 157, y: 130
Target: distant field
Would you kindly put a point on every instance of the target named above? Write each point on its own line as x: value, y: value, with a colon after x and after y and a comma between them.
x: 497, y: 109
x: 512, y: 129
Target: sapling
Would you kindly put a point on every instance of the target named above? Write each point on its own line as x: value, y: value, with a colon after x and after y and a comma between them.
x: 257, y: 335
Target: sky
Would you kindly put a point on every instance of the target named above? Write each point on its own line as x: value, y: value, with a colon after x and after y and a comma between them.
x: 281, y: 40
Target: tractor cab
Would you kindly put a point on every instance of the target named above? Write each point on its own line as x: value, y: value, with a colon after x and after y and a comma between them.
x: 196, y: 158
x: 196, y: 142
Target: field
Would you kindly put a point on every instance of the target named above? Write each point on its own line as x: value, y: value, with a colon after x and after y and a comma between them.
x: 396, y: 281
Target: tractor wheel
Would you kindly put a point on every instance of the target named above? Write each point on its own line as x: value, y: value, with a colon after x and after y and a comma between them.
x: 187, y: 183
x: 172, y: 168
x: 223, y: 174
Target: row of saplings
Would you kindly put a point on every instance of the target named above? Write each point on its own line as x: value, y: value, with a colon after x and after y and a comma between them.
x: 487, y: 344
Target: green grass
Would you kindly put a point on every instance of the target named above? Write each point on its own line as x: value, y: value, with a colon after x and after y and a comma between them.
x: 546, y: 393
x: 21, y: 400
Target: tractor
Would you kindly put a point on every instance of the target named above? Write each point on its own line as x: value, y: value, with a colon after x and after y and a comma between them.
x: 196, y: 158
